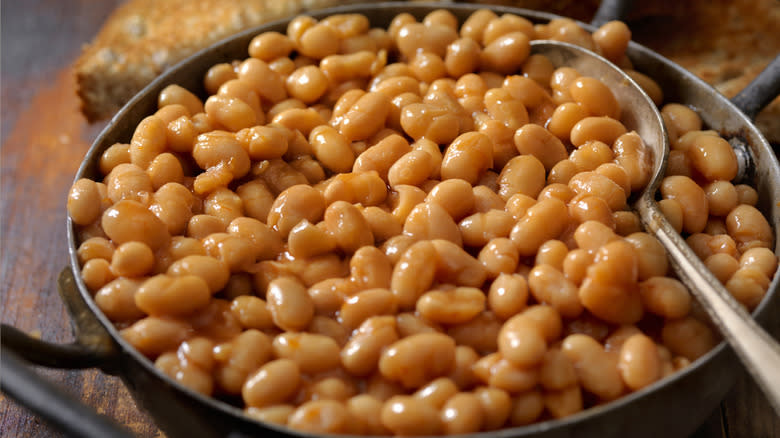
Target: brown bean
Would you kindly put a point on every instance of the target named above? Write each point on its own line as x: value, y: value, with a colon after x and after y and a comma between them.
x: 416, y: 359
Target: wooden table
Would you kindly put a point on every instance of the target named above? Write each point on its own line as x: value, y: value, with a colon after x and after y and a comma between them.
x: 43, y: 140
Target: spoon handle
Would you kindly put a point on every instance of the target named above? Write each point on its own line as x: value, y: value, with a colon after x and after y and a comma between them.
x: 755, y: 347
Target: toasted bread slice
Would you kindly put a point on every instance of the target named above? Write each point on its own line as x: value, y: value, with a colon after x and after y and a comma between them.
x: 144, y: 37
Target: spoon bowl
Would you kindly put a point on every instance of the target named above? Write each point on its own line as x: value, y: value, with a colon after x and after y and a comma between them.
x: 756, y: 349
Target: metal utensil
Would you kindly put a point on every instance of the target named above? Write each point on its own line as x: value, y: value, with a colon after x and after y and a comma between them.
x: 756, y: 349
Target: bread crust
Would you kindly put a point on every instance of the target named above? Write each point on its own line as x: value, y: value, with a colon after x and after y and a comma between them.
x: 144, y: 37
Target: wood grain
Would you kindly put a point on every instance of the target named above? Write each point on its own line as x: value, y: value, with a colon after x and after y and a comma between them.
x: 43, y: 141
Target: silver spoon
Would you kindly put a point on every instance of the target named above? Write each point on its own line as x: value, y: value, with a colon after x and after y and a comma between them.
x: 755, y: 347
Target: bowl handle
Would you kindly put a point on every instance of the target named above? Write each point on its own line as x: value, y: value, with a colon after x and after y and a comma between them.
x: 611, y: 10
x: 53, y: 404
x: 764, y: 88
x: 93, y: 346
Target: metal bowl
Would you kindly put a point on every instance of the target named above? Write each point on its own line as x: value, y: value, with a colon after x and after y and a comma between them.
x: 672, y: 407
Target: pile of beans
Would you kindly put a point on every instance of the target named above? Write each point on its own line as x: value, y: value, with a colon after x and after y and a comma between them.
x: 420, y: 230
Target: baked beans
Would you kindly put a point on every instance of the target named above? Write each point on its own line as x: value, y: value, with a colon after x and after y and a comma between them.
x: 414, y: 231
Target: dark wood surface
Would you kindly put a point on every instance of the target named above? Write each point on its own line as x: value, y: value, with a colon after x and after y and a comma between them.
x: 43, y: 140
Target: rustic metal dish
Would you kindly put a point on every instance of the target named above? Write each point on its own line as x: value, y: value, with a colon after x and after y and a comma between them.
x: 672, y: 407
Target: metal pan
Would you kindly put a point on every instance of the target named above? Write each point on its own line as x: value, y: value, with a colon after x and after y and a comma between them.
x: 673, y: 407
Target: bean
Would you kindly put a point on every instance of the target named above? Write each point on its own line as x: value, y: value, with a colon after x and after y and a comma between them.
x: 350, y: 230
x: 365, y: 117
x: 721, y: 197
x: 429, y: 221
x: 563, y: 403
x: 521, y: 342
x: 682, y: 118
x: 595, y: 97
x: 714, y: 158
x: 437, y: 392
x: 276, y: 414
x: 549, y: 286
x: 499, y: 256
x: 164, y: 295
x: 496, y: 406
x: 476, y: 23
x: 557, y: 371
x: 748, y: 227
x: 370, y: 302
x: 84, y: 202
x: 331, y: 149
x: 321, y: 416
x: 603, y: 129
x: 366, y: 410
x: 294, y: 204
x: 609, y: 290
x: 467, y: 157
x: 595, y: 184
x: 454, y: 306
x: 313, y: 353
x: 534, y: 140
x: 612, y: 39
x: 382, y: 155
x: 213, y: 271
x: 595, y: 369
x: 542, y: 222
x: 723, y: 266
x: 406, y: 415
x: 664, y: 296
x: 746, y: 194
x: 639, y: 363
x: 748, y: 285
x: 508, y: 295
x: 480, y: 228
x: 462, y: 414
x: 506, y: 53
x: 153, y: 336
x: 236, y: 252
x: 411, y: 169
x: 435, y: 123
x: 455, y: 195
x: 417, y: 37
x: 651, y: 255
x: 128, y: 220
x: 416, y: 359
x: 413, y: 273
x: 290, y: 305
x: 522, y: 174
x: 455, y: 266
x: 366, y: 188
x: 688, y: 337
x: 251, y: 312
x: 692, y: 199
x: 362, y: 352
x: 237, y: 358
x: 116, y: 299
x: 480, y: 333
x: 673, y: 212
x: 760, y: 258
x: 526, y: 408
